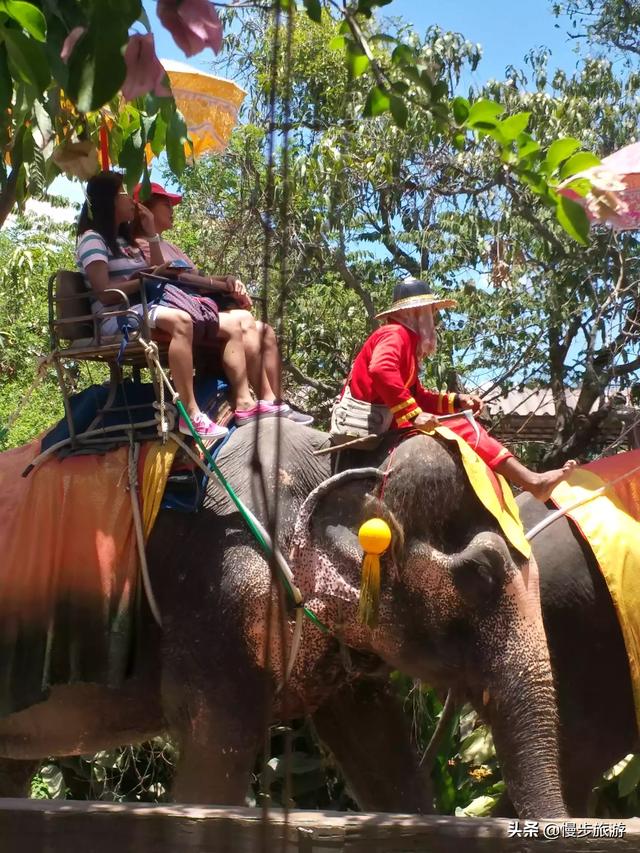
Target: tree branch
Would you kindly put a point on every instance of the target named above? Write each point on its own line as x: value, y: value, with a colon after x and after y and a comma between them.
x: 338, y: 261
x: 326, y: 388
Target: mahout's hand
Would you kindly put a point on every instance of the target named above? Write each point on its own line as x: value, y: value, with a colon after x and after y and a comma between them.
x: 471, y: 401
x: 426, y: 421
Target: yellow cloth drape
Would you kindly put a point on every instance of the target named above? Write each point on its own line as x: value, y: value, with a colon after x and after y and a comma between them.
x: 505, y: 511
x: 613, y: 533
x: 157, y: 465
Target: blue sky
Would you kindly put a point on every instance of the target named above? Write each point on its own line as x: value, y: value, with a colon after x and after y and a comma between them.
x: 506, y: 30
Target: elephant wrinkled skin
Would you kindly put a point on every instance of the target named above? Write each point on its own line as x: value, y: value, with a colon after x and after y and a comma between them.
x: 458, y: 609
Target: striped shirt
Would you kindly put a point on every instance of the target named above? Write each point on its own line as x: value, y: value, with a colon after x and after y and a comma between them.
x: 92, y: 247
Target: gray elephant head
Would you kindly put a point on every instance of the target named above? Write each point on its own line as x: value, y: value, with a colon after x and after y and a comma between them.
x: 458, y: 607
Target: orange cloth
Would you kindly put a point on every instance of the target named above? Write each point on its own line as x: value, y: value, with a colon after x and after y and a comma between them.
x: 65, y: 530
x: 69, y: 568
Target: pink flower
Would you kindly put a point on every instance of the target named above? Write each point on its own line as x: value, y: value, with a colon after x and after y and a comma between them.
x: 194, y: 24
x: 144, y: 71
x: 70, y: 42
x: 613, y: 197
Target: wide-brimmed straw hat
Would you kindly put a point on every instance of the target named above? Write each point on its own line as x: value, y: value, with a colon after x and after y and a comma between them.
x: 413, y: 293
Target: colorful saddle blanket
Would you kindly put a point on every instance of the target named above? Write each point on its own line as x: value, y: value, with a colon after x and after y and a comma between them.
x: 69, y: 570
x: 603, y: 499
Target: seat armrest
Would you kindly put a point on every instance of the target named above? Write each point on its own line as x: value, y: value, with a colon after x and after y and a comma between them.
x: 123, y: 296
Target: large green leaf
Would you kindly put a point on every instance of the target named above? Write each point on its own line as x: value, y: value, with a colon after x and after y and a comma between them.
x: 27, y: 59
x: 581, y: 186
x: 28, y: 16
x: 581, y: 160
x: 132, y: 157
x: 176, y: 137
x: 145, y: 190
x: 484, y: 114
x: 366, y: 7
x: 403, y: 55
x: 573, y: 219
x: 399, y: 111
x: 157, y: 134
x: 6, y: 83
x: 460, y: 110
x: 559, y: 151
x: 378, y: 102
x: 527, y: 146
x: 357, y: 61
x: 96, y: 67
x: 89, y: 86
x: 513, y: 126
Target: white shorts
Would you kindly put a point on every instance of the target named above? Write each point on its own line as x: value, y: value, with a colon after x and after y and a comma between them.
x: 110, y: 325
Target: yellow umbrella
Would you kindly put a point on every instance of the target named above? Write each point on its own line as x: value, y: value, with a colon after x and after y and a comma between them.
x: 209, y: 104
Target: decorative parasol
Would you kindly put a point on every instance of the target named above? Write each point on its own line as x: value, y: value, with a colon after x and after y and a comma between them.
x: 210, y: 107
x: 614, y: 195
x: 209, y: 104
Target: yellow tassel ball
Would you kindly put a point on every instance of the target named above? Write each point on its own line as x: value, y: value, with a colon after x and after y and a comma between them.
x: 374, y: 536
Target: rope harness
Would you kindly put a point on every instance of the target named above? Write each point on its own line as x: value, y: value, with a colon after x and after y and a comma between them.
x: 258, y: 530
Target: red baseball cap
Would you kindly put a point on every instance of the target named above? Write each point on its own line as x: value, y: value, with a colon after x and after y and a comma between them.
x: 158, y: 190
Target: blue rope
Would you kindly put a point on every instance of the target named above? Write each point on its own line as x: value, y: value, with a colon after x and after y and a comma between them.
x: 124, y: 328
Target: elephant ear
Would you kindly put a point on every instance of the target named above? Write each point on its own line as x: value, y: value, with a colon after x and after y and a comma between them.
x: 330, y: 518
x: 481, y: 570
x: 337, y: 517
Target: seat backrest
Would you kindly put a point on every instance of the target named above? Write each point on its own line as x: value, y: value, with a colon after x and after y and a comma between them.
x: 71, y: 300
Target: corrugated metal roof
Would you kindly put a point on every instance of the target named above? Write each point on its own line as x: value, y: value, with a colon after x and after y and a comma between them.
x: 538, y: 401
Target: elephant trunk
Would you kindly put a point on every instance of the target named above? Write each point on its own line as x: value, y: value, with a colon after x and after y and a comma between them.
x: 520, y: 701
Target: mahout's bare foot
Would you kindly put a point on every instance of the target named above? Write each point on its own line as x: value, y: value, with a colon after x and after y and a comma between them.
x: 546, y: 482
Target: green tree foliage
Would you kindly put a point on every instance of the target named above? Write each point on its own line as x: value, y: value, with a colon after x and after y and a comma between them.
x: 47, y: 102
x: 608, y: 23
x: 371, y: 201
x: 31, y: 250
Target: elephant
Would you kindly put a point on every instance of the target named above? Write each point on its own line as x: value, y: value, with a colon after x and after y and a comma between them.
x: 598, y: 724
x: 459, y: 609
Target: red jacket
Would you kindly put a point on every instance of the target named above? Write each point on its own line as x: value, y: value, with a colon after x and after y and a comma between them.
x: 386, y: 371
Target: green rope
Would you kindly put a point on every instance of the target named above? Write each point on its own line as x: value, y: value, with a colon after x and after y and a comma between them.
x: 246, y: 516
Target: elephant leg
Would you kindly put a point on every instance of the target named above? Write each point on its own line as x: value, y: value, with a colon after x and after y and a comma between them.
x: 219, y: 733
x: 366, y: 730
x: 15, y: 776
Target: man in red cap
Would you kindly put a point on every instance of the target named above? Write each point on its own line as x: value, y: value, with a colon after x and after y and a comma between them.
x: 383, y: 390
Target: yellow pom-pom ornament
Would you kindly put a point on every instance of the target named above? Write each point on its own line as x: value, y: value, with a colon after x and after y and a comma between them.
x: 375, y: 537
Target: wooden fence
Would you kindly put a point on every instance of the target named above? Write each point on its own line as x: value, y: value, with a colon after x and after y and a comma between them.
x: 46, y: 826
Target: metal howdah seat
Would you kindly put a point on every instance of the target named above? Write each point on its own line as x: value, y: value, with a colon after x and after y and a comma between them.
x: 75, y: 336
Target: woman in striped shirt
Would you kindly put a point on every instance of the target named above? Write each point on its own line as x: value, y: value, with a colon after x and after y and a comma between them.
x: 108, y: 258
